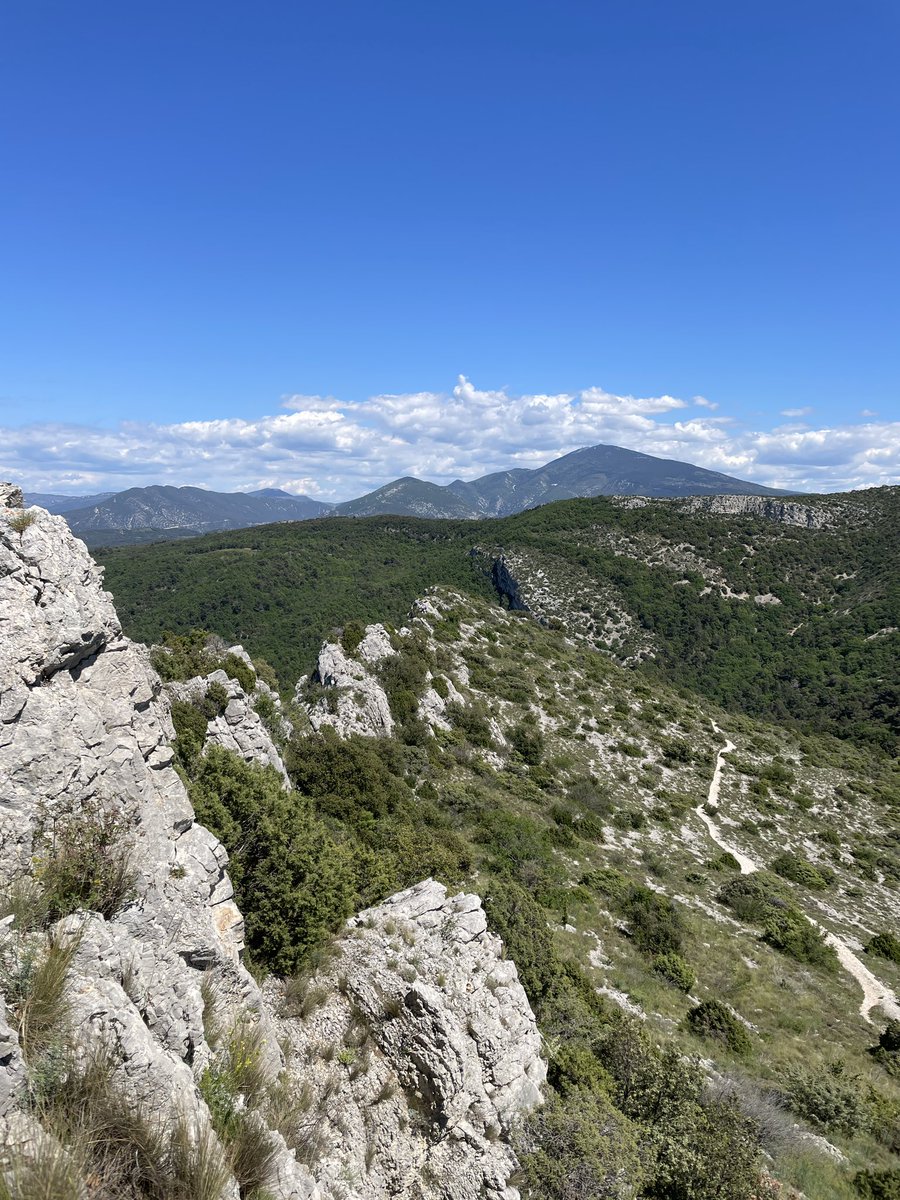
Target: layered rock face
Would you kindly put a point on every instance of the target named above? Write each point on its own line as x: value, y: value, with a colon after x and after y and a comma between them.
x: 787, y: 512
x: 85, y: 732
x: 420, y: 1049
x: 238, y: 727
x: 357, y: 702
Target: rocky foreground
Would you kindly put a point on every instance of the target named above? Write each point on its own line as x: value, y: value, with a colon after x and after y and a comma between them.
x: 402, y: 1066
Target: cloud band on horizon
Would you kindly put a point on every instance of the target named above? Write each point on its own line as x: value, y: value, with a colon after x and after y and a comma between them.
x: 336, y: 450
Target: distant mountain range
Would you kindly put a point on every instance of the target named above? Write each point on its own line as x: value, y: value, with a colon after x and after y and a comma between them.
x: 152, y: 513
x: 594, y: 471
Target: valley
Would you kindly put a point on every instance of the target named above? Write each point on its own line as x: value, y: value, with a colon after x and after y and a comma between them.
x: 649, y: 745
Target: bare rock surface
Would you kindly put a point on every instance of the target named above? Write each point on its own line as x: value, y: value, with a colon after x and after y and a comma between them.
x: 239, y: 727
x: 357, y: 702
x: 421, y: 1046
x: 787, y: 512
x: 85, y: 728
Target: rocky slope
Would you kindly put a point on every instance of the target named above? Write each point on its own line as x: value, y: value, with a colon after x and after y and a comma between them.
x: 582, y: 780
x: 430, y: 1060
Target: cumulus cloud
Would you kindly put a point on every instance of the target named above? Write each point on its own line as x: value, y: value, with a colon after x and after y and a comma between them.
x: 796, y: 412
x: 335, y: 450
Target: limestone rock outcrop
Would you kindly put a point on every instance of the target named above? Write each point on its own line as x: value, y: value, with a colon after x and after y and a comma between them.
x: 787, y: 512
x: 422, y: 1052
x: 355, y: 702
x: 436, y: 1012
x: 238, y: 727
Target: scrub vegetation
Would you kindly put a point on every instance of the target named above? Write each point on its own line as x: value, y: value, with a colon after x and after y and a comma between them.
x: 697, y: 1025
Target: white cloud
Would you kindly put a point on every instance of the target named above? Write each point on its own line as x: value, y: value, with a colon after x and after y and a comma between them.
x: 797, y: 412
x: 335, y: 450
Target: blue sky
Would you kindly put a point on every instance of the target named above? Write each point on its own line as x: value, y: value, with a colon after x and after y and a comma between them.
x: 210, y: 210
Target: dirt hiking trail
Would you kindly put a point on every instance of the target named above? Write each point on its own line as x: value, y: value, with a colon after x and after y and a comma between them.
x: 875, y: 993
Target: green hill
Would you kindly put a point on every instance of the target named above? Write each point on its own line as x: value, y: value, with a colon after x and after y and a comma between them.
x: 694, y: 1011
x: 778, y: 619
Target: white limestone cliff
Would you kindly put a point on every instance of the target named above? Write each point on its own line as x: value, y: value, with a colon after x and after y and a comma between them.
x: 85, y: 728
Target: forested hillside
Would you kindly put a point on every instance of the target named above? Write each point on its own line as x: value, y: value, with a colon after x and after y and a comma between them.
x: 701, y: 1007
x: 795, y: 621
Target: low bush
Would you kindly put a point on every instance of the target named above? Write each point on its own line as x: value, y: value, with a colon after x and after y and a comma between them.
x: 673, y: 968
x: 887, y: 1052
x: 471, y: 721
x: 522, y: 924
x: 528, y: 743
x: 579, y: 1147
x: 885, y: 945
x: 827, y: 1097
x: 715, y: 1021
x: 790, y: 932
x: 723, y: 862
x: 798, y: 870
x: 185, y: 656
x: 294, y: 882
x: 654, y: 922
x: 753, y: 897
x: 82, y: 860
x: 351, y: 635
x: 878, y: 1185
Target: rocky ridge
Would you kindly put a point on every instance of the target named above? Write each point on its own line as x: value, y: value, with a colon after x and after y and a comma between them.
x: 355, y: 701
x: 85, y: 736
x: 238, y: 727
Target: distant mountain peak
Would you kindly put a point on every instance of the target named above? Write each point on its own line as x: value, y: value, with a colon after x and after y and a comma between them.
x: 163, y: 510
x: 589, y: 471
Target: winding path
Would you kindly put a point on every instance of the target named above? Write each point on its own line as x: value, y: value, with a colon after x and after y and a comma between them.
x: 875, y: 993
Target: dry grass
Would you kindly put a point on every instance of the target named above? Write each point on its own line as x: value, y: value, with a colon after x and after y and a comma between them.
x: 42, y: 1010
x: 114, y: 1150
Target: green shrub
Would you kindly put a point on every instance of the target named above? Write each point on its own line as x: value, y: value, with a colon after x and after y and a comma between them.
x: 184, y: 656
x: 790, y: 932
x: 655, y: 924
x: 714, y: 1021
x: 878, y: 1185
x: 470, y: 720
x: 830, y: 837
x: 753, y: 897
x: 676, y: 970
x: 528, y: 743
x: 628, y: 818
x: 293, y: 881
x: 798, y: 870
x: 522, y: 925
x: 216, y: 699
x: 723, y: 862
x: 677, y: 751
x: 887, y: 1052
x: 190, y: 732
x: 351, y: 635
x: 885, y: 945
x: 579, y: 1147
x: 696, y: 1147
x: 607, y: 881
x: 354, y: 779
x: 827, y: 1097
